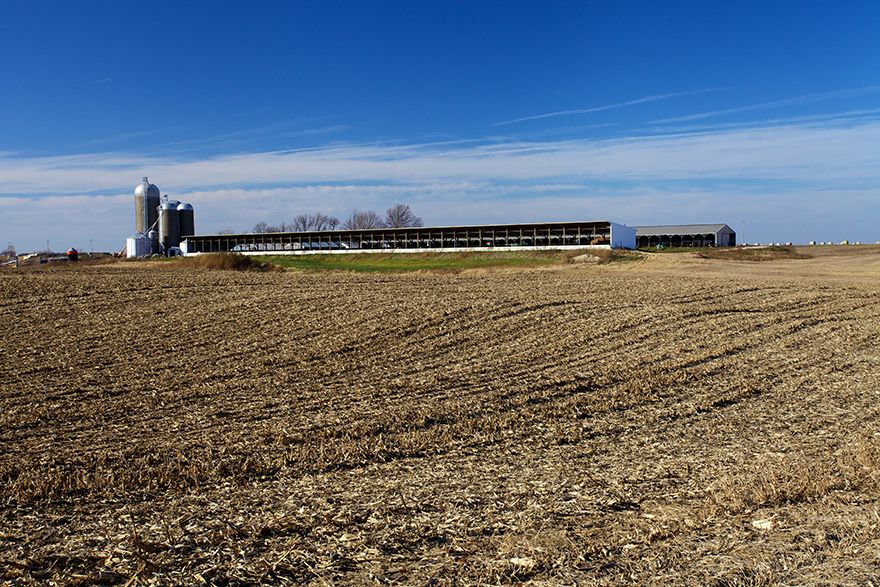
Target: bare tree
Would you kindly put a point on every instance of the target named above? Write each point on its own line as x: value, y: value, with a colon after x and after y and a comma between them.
x: 401, y: 216
x: 332, y: 222
x: 301, y: 223
x: 226, y: 230
x: 308, y: 222
x: 363, y: 219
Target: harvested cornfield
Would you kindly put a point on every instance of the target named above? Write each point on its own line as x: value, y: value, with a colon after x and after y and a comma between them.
x: 694, y: 423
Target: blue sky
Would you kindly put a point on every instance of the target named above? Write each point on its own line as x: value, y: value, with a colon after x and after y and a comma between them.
x: 643, y: 112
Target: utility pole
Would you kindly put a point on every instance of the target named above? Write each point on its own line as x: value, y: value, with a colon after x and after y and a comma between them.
x: 742, y: 234
x: 91, y: 247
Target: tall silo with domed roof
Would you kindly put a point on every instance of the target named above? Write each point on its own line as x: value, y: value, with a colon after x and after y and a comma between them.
x: 186, y: 220
x: 146, y: 206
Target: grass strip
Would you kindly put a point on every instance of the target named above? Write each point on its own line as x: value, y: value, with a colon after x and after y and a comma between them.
x: 397, y: 262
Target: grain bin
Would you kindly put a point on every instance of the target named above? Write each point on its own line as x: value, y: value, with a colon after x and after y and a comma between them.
x: 137, y: 246
x: 169, y: 226
x: 186, y: 220
x: 146, y: 206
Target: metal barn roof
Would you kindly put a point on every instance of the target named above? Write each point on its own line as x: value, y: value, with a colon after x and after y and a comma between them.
x: 681, y: 229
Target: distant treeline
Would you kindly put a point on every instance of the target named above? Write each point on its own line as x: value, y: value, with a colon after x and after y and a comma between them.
x: 397, y: 216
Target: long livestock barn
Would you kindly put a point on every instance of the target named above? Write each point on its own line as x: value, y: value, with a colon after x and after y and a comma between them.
x: 686, y: 235
x: 548, y: 235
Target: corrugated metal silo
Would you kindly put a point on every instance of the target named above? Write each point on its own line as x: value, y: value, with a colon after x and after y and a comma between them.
x: 169, y: 226
x: 187, y: 221
x: 146, y: 206
x: 153, y: 235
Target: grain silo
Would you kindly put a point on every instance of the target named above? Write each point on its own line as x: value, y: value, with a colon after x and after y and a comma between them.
x: 169, y: 226
x: 186, y: 220
x: 146, y: 206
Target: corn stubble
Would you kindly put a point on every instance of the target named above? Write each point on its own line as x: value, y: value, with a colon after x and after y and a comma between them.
x: 576, y: 426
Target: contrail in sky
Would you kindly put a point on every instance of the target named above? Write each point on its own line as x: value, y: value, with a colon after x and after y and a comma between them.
x: 94, y: 82
x: 805, y: 99
x: 653, y: 98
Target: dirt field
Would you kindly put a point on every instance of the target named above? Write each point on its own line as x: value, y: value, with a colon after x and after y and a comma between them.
x: 670, y: 420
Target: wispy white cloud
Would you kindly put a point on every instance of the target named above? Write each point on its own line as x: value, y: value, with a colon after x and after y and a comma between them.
x: 550, y: 132
x: 818, y: 153
x: 848, y: 116
x: 122, y: 137
x: 247, y: 135
x: 634, y: 102
x: 804, y: 99
x: 800, y: 171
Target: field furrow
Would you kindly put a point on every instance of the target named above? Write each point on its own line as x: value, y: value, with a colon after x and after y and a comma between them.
x: 567, y: 426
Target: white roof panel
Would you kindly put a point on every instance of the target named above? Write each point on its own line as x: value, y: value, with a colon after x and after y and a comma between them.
x: 680, y: 229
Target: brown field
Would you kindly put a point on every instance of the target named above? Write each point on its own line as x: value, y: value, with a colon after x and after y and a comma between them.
x: 668, y: 420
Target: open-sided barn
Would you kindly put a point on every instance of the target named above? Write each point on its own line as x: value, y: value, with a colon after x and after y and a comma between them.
x: 547, y: 235
x: 686, y: 235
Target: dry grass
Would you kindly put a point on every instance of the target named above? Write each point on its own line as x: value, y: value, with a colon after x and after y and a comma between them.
x: 224, y: 262
x: 763, y: 253
x: 769, y: 253
x: 583, y: 425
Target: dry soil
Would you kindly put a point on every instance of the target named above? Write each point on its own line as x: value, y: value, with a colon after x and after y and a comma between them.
x: 670, y: 420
